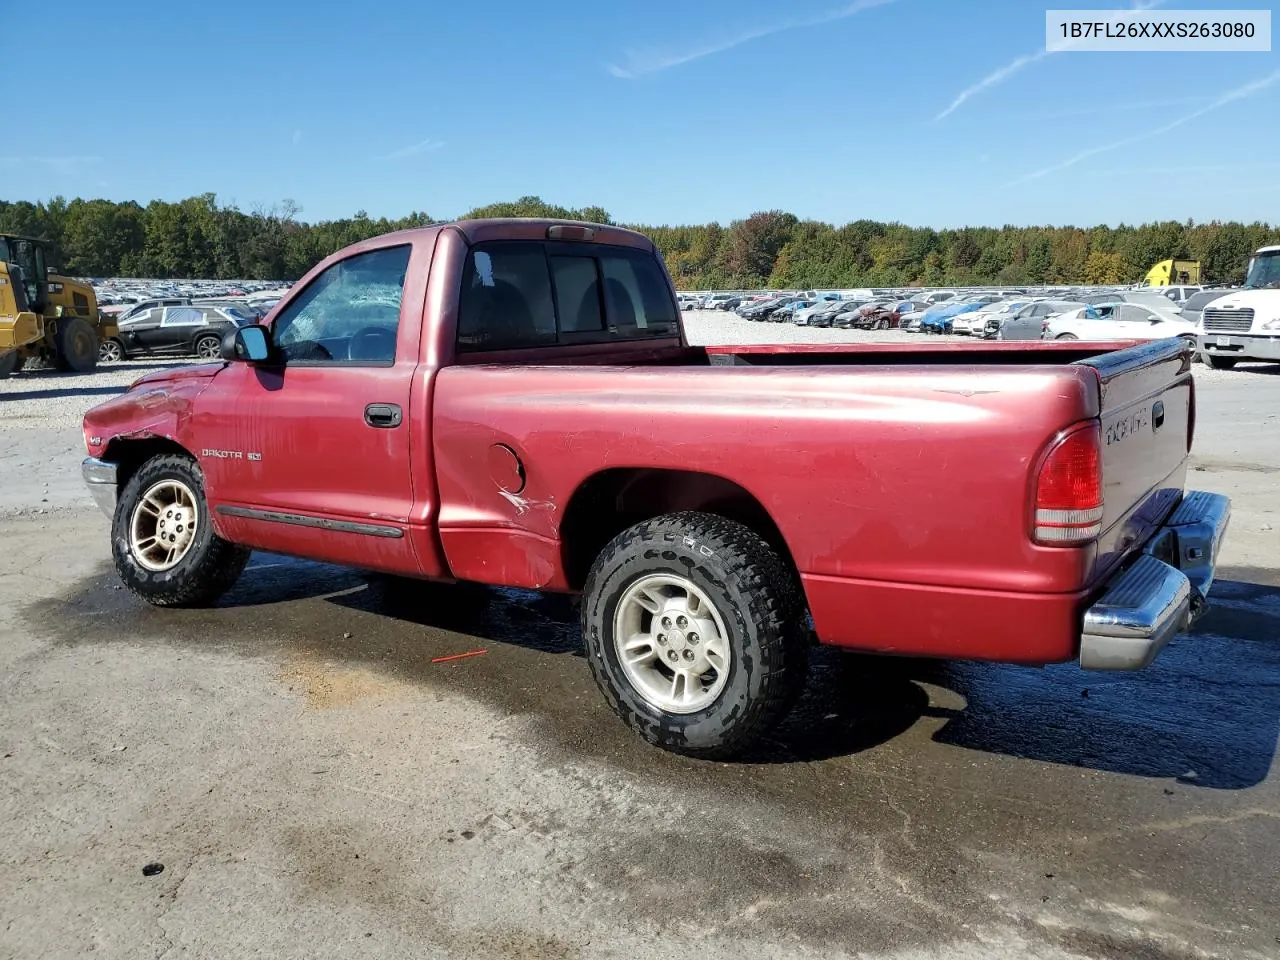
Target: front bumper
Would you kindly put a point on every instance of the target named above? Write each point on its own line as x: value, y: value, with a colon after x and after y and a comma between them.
x: 1162, y: 593
x: 1244, y: 346
x: 100, y: 478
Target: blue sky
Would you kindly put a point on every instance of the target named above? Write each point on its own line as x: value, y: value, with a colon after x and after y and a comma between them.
x: 930, y: 112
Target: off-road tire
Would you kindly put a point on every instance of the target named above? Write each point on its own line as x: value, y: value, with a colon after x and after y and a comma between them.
x: 756, y: 594
x: 1221, y: 363
x: 75, y: 345
x: 210, y: 567
x: 9, y: 363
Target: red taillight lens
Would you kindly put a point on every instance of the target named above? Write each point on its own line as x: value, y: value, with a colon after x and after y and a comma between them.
x: 1069, y: 490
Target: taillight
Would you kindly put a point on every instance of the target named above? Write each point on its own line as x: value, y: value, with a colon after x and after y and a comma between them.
x: 1068, y: 504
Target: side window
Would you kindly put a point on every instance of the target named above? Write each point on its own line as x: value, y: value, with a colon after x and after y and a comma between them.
x: 182, y: 317
x: 600, y: 294
x: 636, y: 296
x: 506, y: 299
x: 139, y: 319
x: 350, y: 313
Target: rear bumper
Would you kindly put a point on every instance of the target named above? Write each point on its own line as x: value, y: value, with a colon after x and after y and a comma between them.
x: 1160, y: 594
x: 100, y: 478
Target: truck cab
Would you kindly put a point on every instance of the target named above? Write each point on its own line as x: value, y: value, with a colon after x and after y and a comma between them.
x: 1245, y: 324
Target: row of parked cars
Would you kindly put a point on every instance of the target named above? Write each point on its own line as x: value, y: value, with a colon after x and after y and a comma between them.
x: 1080, y: 314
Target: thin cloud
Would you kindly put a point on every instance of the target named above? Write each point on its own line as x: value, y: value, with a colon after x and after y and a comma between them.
x: 1231, y: 96
x: 1109, y: 108
x: 413, y: 150
x: 71, y: 161
x: 999, y: 76
x: 641, y: 62
x: 297, y: 137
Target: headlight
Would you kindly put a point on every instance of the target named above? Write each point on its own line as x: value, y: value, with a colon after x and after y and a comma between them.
x: 1272, y: 324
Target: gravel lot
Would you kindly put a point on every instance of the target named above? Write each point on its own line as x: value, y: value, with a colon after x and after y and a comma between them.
x: 314, y: 785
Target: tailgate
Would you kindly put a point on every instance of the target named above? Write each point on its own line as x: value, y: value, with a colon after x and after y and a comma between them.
x: 1146, y: 399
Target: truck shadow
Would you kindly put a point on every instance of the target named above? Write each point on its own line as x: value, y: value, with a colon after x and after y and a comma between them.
x: 1207, y: 713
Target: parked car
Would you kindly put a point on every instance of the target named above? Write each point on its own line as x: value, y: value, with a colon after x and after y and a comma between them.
x: 712, y: 300
x: 788, y: 310
x: 173, y: 331
x: 1028, y: 323
x: 143, y: 305
x: 1195, y: 304
x: 1178, y: 294
x: 821, y: 314
x: 705, y: 577
x: 975, y: 323
x: 1118, y: 321
x: 940, y: 318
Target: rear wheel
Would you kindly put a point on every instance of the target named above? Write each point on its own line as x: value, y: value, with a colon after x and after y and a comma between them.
x: 1221, y: 363
x: 110, y: 350
x: 75, y: 345
x: 1066, y: 336
x: 693, y: 630
x: 8, y: 363
x: 162, y: 540
x: 208, y: 347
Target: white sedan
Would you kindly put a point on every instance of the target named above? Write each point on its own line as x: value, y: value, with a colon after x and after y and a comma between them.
x: 1118, y: 321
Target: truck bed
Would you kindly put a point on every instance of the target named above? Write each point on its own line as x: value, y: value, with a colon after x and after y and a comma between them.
x: 893, y: 472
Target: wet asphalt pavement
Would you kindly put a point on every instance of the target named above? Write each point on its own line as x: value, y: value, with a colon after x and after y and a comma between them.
x: 315, y: 785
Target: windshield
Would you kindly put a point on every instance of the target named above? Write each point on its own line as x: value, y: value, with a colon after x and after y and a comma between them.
x: 1264, y: 271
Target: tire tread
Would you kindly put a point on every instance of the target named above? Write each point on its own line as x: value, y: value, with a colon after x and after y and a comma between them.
x: 773, y: 603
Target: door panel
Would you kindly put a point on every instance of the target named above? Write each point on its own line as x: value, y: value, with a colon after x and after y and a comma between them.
x: 293, y: 443
x: 295, y: 460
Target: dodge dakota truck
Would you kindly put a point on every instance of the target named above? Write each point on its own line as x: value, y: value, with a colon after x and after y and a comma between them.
x: 515, y: 402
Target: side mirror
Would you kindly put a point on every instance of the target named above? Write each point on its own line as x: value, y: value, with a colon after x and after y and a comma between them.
x: 251, y: 344
x: 1155, y: 320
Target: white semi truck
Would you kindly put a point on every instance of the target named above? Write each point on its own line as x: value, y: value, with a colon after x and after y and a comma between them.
x: 1245, y: 324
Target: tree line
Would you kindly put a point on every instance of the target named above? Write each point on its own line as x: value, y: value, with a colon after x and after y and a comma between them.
x: 200, y: 238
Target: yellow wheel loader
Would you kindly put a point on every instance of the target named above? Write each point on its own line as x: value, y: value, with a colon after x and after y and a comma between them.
x: 45, y: 317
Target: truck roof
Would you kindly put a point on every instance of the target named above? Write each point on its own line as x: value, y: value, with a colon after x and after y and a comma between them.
x: 514, y: 228
x: 1274, y: 248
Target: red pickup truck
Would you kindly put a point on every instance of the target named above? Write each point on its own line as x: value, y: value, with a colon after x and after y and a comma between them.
x: 514, y: 402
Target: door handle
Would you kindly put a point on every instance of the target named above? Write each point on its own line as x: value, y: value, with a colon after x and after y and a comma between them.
x: 383, y: 415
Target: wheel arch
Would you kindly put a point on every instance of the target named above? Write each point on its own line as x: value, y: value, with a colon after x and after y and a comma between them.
x: 130, y: 453
x: 611, y: 500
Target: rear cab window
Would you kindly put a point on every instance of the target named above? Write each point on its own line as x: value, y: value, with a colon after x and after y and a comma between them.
x: 520, y: 294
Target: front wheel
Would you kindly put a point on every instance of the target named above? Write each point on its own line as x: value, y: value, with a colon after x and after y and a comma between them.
x: 1221, y: 363
x: 1066, y: 336
x: 110, y: 350
x: 8, y: 363
x: 162, y: 541
x: 693, y: 631
x: 209, y: 348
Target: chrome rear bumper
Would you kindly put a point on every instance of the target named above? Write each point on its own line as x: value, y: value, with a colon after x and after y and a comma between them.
x: 1162, y: 593
x: 100, y: 478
